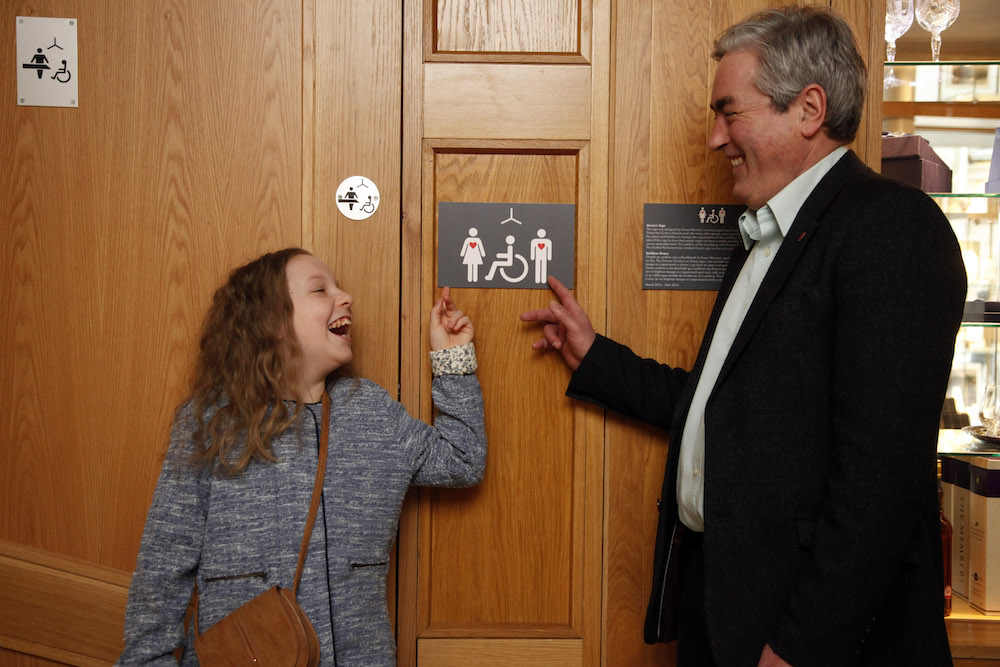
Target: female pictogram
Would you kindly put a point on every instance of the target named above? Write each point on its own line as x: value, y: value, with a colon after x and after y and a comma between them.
x: 473, y: 254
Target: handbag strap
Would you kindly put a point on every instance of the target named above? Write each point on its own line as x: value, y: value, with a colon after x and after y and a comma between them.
x: 324, y: 440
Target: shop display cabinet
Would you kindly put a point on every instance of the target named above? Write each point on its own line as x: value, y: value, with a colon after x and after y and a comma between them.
x: 955, y: 106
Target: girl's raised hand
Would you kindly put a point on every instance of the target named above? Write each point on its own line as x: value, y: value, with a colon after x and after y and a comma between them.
x: 449, y: 326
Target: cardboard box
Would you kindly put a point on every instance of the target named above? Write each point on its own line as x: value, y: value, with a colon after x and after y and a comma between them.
x: 911, y: 159
x: 984, y: 534
x: 955, y: 484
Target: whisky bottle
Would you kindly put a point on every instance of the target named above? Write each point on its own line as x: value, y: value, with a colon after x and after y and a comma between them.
x: 946, y: 549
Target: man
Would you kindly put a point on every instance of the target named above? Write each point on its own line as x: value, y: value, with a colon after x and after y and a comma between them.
x: 798, y: 520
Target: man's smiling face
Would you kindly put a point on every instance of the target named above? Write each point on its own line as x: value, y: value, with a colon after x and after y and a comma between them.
x: 762, y: 144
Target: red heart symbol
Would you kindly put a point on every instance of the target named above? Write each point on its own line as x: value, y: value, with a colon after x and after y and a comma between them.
x: 541, y: 246
x: 472, y: 245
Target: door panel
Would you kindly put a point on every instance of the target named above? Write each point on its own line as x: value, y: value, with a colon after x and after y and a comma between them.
x: 511, y: 101
x: 509, y: 26
x: 510, y: 539
x: 507, y: 559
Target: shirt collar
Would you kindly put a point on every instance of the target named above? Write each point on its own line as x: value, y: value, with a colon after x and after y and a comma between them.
x: 782, y: 208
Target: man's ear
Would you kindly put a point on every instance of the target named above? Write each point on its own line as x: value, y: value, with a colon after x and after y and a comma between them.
x: 811, y: 104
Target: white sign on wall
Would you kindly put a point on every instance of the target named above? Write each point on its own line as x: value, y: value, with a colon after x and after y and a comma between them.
x: 46, y: 62
x: 357, y: 197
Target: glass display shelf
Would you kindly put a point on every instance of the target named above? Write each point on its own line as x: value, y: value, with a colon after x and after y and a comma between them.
x: 959, y: 442
x: 955, y: 81
x: 963, y: 195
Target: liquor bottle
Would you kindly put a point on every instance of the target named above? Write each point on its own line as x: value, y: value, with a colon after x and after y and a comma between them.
x: 946, y: 549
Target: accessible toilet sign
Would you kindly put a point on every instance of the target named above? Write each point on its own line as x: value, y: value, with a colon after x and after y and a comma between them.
x: 46, y: 63
x: 506, y: 245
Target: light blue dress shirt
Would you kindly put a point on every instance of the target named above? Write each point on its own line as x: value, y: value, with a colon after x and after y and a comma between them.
x: 762, y: 232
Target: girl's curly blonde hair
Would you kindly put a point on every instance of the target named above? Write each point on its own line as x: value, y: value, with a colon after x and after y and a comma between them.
x: 247, y: 362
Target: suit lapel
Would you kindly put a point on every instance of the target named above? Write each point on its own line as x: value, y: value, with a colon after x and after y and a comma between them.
x: 798, y: 238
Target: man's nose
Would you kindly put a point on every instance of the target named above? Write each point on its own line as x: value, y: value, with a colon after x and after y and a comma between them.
x: 719, y: 135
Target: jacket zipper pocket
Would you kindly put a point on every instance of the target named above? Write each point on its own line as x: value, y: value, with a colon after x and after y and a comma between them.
x: 359, y: 565
x: 248, y: 575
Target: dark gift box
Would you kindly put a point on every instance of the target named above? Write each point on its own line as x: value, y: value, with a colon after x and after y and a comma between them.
x: 981, y: 311
x: 911, y: 159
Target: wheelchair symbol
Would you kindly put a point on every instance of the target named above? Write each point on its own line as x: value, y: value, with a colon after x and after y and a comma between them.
x: 506, y: 259
x: 64, y: 71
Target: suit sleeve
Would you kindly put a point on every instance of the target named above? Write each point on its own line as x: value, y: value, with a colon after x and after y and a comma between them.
x: 615, y: 378
x: 168, y: 559
x: 899, y: 291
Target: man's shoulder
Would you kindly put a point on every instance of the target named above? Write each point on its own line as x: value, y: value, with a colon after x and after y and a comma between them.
x: 851, y: 181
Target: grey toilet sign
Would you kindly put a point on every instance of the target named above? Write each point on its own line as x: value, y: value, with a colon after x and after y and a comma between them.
x: 507, y: 245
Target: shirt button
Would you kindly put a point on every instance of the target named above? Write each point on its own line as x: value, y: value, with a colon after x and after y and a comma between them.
x: 767, y: 253
x: 696, y: 471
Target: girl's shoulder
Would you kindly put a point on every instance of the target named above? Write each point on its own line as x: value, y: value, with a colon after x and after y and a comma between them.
x: 359, y: 394
x: 346, y: 388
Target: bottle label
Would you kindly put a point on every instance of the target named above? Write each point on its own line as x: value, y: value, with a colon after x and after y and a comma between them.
x: 947, y: 592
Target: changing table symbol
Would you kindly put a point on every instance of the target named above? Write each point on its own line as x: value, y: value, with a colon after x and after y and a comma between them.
x: 38, y: 63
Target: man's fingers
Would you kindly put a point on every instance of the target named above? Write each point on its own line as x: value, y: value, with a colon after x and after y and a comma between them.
x: 540, y: 315
x: 554, y: 335
x: 540, y: 344
x: 565, y: 296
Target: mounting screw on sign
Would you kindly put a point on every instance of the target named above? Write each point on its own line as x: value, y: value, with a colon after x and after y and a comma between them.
x: 357, y: 197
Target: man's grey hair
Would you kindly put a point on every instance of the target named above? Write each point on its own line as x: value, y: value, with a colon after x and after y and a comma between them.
x: 799, y: 46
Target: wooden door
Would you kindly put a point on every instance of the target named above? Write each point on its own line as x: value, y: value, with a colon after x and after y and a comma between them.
x: 509, y: 105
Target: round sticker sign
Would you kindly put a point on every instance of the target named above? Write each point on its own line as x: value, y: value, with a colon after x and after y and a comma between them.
x: 357, y: 197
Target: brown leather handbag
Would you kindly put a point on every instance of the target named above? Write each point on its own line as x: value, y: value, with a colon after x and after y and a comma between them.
x: 271, y: 629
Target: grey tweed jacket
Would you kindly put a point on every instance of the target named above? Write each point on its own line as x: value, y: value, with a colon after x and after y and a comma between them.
x: 238, y: 536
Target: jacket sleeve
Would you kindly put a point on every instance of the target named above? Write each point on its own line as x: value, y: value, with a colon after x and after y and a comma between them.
x: 899, y: 291
x: 169, y: 554
x: 615, y: 378
x: 452, y: 452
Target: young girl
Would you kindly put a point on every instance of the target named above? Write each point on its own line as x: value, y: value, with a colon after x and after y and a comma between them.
x: 233, y: 496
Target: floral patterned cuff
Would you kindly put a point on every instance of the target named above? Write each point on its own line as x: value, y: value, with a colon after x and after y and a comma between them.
x: 458, y: 360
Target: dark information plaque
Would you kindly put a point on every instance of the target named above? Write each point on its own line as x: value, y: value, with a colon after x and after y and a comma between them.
x: 687, y: 246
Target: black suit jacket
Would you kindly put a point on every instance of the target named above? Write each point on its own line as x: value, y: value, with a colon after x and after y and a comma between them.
x: 822, y: 534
